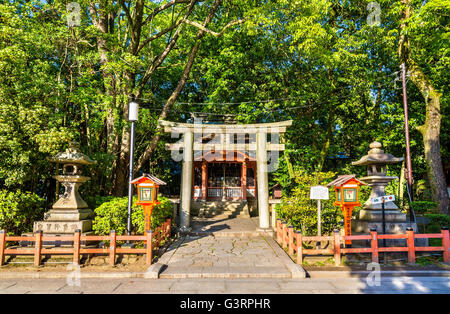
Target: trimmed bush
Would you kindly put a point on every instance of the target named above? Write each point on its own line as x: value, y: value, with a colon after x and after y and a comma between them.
x: 424, y: 207
x: 112, y: 215
x: 301, y: 212
x: 18, y: 211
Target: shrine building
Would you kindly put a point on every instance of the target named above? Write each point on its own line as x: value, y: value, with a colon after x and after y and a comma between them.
x: 224, y: 165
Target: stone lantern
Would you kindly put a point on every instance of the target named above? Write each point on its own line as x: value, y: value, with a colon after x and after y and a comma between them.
x: 370, y: 216
x: 70, y: 212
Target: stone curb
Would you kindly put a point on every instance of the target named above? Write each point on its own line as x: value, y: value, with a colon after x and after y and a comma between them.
x: 296, y: 270
x: 52, y: 275
x: 313, y: 274
x: 383, y: 273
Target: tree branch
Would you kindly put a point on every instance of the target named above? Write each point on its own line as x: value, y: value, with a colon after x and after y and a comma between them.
x: 203, y: 28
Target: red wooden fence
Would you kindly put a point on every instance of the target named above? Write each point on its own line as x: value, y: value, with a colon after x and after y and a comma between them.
x: 293, y: 241
x: 152, y: 240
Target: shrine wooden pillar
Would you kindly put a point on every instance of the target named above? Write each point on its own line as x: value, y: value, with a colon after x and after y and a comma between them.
x: 244, y: 180
x: 204, y: 179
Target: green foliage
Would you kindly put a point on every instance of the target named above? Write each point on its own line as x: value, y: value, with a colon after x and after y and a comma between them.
x: 319, y: 62
x: 112, y: 215
x: 18, y: 211
x: 424, y: 207
x: 438, y: 220
x: 301, y: 212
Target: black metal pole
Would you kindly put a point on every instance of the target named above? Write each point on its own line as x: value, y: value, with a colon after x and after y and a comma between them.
x: 130, y: 178
x: 409, y: 176
x: 383, y: 219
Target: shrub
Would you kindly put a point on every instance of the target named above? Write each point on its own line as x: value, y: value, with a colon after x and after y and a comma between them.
x: 18, y: 211
x: 113, y: 213
x: 424, y: 207
x: 301, y: 212
x: 440, y: 220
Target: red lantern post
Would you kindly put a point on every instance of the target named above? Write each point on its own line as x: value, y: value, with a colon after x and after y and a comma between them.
x: 346, y: 188
x: 147, y: 189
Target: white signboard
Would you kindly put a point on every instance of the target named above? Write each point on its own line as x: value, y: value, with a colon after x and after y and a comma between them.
x: 379, y: 200
x: 319, y: 192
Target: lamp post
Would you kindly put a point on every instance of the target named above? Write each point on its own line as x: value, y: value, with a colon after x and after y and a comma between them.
x: 132, y: 117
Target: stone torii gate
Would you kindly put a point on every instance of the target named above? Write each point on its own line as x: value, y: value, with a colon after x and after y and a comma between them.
x: 226, y: 139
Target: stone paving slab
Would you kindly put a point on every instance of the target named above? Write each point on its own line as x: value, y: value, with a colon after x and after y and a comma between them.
x: 224, y: 257
x: 390, y: 285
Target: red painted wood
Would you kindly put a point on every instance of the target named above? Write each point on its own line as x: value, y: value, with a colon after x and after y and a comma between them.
x: 429, y: 248
x: 337, y: 247
x: 357, y: 237
x: 392, y: 236
x: 318, y: 252
x: 19, y: 251
x: 374, y: 246
x: 2, y: 246
x: 446, y: 245
x: 149, y: 248
x: 299, y: 248
x: 112, y: 248
x: 318, y: 238
x: 204, y: 179
x: 356, y: 250
x: 393, y: 249
x: 76, y: 247
x: 17, y: 238
x: 291, y: 240
x: 411, y: 247
x: 427, y: 236
x: 37, y: 248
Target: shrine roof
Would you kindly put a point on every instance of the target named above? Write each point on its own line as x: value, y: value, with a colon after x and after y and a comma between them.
x: 342, y: 179
x: 149, y: 177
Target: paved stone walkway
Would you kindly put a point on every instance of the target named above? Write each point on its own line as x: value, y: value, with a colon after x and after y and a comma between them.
x: 224, y: 257
x: 403, y: 285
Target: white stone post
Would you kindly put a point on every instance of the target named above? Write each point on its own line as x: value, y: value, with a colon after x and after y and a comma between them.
x: 186, y: 181
x: 262, y: 179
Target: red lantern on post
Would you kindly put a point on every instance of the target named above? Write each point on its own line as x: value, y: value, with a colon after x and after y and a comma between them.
x: 147, y: 190
x: 346, y: 188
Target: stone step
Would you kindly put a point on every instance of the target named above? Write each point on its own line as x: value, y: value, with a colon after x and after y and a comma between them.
x: 224, y: 272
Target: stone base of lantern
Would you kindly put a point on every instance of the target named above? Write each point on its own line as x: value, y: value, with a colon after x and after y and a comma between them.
x: 395, y: 222
x: 64, y: 222
x: 62, y: 227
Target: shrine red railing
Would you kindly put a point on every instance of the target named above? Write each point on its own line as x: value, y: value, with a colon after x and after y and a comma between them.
x: 152, y: 241
x: 293, y: 240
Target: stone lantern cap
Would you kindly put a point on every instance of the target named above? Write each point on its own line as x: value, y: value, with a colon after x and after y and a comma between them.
x: 377, y: 156
x: 72, y: 155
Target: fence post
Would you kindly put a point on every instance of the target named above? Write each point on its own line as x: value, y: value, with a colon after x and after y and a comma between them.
x: 112, y: 248
x: 279, y: 231
x: 411, y: 247
x: 283, y: 229
x: 337, y: 247
x: 149, y: 254
x: 2, y: 246
x: 446, y: 244
x: 37, y: 248
x: 76, y: 246
x: 291, y: 240
x: 299, y: 247
x: 374, y: 244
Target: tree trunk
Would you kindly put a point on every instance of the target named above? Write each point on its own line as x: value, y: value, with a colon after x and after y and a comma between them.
x: 173, y: 97
x: 431, y: 129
